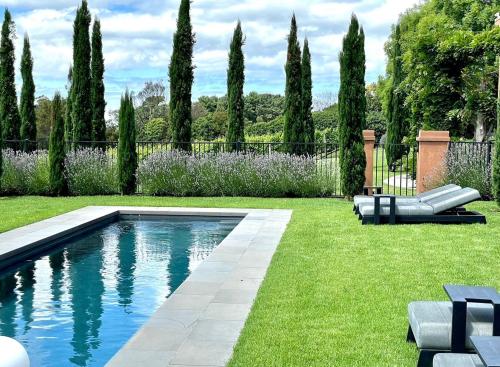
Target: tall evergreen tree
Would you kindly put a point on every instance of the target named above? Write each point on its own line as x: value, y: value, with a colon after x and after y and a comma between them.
x: 235, y: 84
x: 68, y: 120
x: 127, y: 155
x: 307, y: 102
x: 293, y: 134
x: 395, y: 115
x: 81, y: 95
x: 98, y: 102
x: 352, y: 110
x: 9, y: 112
x: 28, y: 118
x: 58, y: 184
x: 181, y: 73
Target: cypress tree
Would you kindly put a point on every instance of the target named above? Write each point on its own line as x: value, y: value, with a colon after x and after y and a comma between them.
x: 98, y: 103
x: 307, y: 101
x: 235, y: 83
x: 293, y: 134
x: 181, y: 79
x: 127, y: 156
x: 57, y: 153
x: 9, y: 112
x: 81, y: 95
x: 352, y: 111
x: 68, y: 120
x: 28, y: 118
x: 395, y: 117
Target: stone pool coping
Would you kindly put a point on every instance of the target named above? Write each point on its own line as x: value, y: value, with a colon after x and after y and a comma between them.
x: 200, y: 323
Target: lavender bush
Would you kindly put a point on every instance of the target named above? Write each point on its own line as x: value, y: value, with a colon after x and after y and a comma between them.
x: 231, y: 174
x: 91, y: 172
x: 467, y: 169
x: 25, y: 173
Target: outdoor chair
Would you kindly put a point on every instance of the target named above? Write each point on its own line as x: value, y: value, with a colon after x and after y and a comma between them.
x: 450, y: 327
x: 457, y: 360
x: 420, y: 198
x: 446, y: 209
x: 486, y: 347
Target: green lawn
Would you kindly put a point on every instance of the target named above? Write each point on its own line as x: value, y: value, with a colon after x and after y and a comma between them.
x: 336, y: 293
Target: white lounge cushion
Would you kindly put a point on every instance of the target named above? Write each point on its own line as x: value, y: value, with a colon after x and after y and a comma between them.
x: 431, y: 323
x: 361, y: 199
x: 437, y: 192
x: 457, y: 360
x: 401, y: 209
x: 454, y: 199
x: 423, y: 197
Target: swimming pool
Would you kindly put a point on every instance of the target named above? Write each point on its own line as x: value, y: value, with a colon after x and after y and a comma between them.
x: 77, y: 304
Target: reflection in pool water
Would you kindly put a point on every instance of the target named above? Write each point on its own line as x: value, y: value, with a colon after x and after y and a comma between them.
x: 79, y: 304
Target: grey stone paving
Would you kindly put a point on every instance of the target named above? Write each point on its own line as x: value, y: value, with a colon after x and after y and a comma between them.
x: 199, y: 324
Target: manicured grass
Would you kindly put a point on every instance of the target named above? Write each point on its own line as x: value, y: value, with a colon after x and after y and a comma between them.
x: 336, y: 293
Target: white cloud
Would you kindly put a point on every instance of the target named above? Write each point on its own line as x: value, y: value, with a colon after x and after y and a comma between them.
x: 137, y: 39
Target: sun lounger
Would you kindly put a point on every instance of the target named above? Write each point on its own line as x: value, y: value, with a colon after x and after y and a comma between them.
x: 457, y: 360
x: 452, y: 327
x: 420, y: 198
x: 443, y: 208
x: 486, y: 347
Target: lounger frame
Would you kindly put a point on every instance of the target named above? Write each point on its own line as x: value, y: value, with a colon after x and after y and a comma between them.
x: 425, y: 356
x: 457, y: 215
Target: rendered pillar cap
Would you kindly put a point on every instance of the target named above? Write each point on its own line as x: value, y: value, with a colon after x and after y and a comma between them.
x: 369, y: 135
x: 442, y: 136
x: 13, y: 353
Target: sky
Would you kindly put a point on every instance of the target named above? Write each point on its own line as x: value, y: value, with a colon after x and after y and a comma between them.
x: 137, y: 40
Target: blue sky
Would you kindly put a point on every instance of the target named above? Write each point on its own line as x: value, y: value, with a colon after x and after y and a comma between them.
x: 137, y: 40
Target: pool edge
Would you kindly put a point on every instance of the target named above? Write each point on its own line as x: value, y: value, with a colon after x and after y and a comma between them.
x: 200, y: 323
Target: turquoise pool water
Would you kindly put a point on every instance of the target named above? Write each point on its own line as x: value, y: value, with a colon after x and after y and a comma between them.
x: 80, y: 303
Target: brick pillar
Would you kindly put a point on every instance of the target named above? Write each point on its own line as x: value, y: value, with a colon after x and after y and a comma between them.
x: 432, y: 148
x: 369, y: 136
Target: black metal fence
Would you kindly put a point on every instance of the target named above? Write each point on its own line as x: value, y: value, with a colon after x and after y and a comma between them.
x: 325, y: 155
x: 399, y: 177
x: 481, y: 152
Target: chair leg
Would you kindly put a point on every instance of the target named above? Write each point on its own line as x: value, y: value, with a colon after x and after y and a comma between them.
x: 410, y: 338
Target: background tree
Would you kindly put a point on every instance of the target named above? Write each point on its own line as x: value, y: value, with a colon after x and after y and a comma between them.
x: 127, y: 155
x: 151, y: 108
x: 293, y: 133
x: 375, y: 117
x: 395, y: 115
x: 307, y: 98
x: 97, y: 86
x: 9, y: 113
x: 449, y: 51
x: 235, y: 84
x: 58, y: 184
x: 81, y: 82
x: 28, y: 117
x: 352, y: 110
x: 181, y: 79
x: 68, y: 120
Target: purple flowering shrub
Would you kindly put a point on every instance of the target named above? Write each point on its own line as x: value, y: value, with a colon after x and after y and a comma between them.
x: 25, y: 173
x: 465, y: 168
x: 176, y: 173
x: 91, y: 172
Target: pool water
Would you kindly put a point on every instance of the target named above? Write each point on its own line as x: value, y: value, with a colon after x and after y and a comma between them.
x: 80, y: 303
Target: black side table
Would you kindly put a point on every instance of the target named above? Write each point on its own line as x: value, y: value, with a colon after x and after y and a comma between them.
x: 460, y: 296
x: 488, y: 349
x: 375, y: 189
x: 378, y: 206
